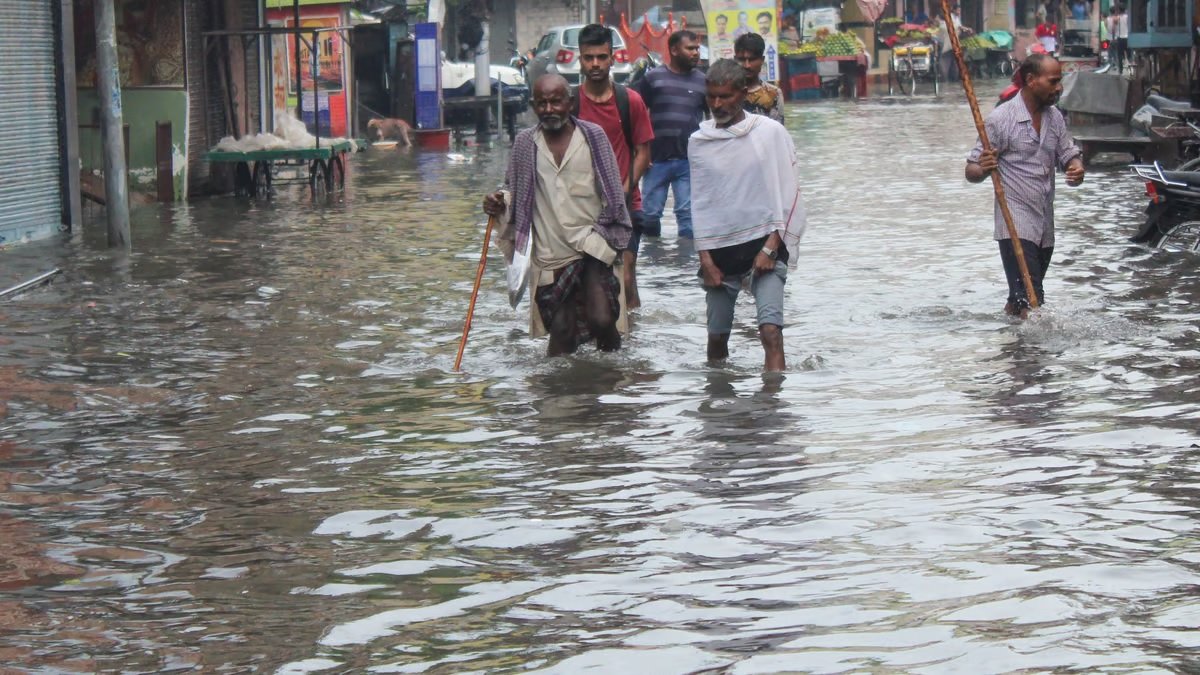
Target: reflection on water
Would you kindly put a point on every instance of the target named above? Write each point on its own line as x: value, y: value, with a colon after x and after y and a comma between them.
x: 243, y: 447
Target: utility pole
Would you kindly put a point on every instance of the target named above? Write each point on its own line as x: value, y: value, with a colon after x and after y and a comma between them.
x: 483, y: 80
x: 108, y: 74
x: 296, y: 37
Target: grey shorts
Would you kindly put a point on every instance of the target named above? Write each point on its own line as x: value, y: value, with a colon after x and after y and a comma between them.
x: 768, y: 298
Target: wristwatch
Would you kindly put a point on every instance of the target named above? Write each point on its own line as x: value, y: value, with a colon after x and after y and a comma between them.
x: 770, y: 252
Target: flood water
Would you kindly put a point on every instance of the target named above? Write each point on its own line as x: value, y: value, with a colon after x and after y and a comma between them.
x: 243, y: 449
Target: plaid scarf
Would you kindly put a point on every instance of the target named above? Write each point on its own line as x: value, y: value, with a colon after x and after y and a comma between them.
x: 567, y: 287
x: 613, y: 223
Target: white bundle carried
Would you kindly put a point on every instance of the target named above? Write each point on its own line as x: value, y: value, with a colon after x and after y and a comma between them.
x: 290, y: 134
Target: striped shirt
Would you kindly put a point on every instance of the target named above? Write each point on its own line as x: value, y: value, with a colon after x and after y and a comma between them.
x: 676, y: 103
x: 1027, y: 163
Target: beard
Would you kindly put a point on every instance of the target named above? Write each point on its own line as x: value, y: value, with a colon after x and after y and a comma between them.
x: 722, y: 116
x: 551, y: 122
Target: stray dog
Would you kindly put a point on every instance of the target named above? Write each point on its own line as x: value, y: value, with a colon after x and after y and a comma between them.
x: 388, y: 129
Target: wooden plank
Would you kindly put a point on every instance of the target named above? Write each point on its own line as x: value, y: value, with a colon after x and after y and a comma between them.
x: 164, y: 162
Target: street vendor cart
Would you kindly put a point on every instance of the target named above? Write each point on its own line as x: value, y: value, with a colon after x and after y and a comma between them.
x: 324, y: 159
x: 911, y: 63
x: 255, y: 170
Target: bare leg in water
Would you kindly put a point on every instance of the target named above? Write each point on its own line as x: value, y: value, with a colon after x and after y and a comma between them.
x: 632, y: 299
x: 601, y: 320
x: 599, y: 315
x: 771, y: 337
x: 718, y: 347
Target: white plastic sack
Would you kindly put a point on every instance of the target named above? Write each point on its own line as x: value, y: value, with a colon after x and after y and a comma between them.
x: 518, y: 272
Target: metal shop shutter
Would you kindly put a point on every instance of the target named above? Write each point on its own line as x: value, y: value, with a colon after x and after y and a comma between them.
x: 29, y: 145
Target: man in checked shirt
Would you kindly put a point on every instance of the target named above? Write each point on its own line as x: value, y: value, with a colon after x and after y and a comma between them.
x: 1029, y: 141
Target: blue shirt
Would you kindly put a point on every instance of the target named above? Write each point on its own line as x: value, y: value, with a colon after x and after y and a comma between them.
x: 676, y: 104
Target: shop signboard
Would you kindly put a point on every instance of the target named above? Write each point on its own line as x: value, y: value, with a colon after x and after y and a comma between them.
x: 727, y: 20
x: 329, y: 67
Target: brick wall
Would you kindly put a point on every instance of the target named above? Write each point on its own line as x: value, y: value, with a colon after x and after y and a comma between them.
x: 194, y: 16
x: 207, y: 108
x: 534, y: 17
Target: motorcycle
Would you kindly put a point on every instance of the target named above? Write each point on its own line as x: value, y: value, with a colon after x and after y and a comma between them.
x: 519, y: 60
x: 1173, y: 214
x: 643, y: 64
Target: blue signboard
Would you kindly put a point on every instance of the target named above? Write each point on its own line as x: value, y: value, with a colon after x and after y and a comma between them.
x: 429, y: 76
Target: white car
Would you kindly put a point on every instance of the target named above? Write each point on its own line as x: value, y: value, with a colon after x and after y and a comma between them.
x: 558, y: 52
x: 455, y: 74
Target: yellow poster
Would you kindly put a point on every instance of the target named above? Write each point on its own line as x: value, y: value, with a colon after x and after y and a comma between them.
x: 754, y: 16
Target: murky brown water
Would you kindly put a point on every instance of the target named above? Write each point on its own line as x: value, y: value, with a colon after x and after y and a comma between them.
x: 243, y: 450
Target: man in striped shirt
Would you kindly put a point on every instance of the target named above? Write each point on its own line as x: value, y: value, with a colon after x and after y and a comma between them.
x: 1029, y: 141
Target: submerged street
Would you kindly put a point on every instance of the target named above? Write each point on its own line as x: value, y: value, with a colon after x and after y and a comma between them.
x: 245, y: 449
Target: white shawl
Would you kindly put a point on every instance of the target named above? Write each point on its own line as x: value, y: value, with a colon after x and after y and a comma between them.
x: 744, y: 185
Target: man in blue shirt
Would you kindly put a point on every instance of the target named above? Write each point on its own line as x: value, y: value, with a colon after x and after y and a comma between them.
x: 674, y: 93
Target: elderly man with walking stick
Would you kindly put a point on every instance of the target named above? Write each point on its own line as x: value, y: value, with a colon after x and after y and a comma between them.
x: 1029, y: 141
x: 564, y: 202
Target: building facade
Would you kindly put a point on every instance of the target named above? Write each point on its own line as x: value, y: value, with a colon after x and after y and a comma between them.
x: 332, y: 104
x: 182, y: 89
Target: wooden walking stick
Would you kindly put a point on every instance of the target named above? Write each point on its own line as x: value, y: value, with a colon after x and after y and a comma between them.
x: 1001, y: 199
x: 487, y: 238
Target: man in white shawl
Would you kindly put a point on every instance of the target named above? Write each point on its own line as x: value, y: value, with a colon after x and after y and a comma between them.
x: 747, y: 212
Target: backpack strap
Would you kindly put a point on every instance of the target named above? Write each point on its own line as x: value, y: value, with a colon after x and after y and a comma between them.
x: 622, y: 96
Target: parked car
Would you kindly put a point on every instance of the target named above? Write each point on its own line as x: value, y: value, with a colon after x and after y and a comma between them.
x: 558, y: 52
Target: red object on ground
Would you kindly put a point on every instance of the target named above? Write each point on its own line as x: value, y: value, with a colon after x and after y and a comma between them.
x: 433, y: 139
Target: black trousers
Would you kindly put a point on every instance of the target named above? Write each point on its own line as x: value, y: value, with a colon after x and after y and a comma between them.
x: 1122, y: 53
x: 1038, y: 261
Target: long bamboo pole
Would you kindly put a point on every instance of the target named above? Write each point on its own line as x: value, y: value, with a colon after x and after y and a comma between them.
x: 1001, y: 199
x: 487, y: 238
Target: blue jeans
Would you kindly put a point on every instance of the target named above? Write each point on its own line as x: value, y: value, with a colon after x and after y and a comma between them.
x: 673, y: 174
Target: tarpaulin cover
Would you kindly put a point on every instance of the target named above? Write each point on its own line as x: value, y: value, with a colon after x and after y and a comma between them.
x: 1093, y: 93
x: 1002, y: 38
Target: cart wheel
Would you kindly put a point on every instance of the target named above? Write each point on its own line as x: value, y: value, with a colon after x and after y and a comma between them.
x: 891, y: 78
x: 318, y: 179
x: 262, y: 179
x: 243, y: 182
x: 906, y: 78
x: 937, y: 79
x: 337, y: 173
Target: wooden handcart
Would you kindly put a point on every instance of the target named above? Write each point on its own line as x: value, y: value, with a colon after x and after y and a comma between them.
x: 254, y: 171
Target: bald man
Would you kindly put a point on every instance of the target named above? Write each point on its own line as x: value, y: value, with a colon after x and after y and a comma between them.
x: 563, y: 191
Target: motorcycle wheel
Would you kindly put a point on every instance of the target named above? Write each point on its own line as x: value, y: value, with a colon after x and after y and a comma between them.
x: 1184, y: 236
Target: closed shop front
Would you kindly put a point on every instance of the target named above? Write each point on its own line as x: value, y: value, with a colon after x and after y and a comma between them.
x: 30, y: 179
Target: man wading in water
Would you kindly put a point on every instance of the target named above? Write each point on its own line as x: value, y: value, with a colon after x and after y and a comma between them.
x: 564, y: 190
x: 748, y: 217
x: 623, y: 116
x: 1029, y: 141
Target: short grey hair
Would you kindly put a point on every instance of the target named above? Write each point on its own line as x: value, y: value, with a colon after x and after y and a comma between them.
x: 727, y: 71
